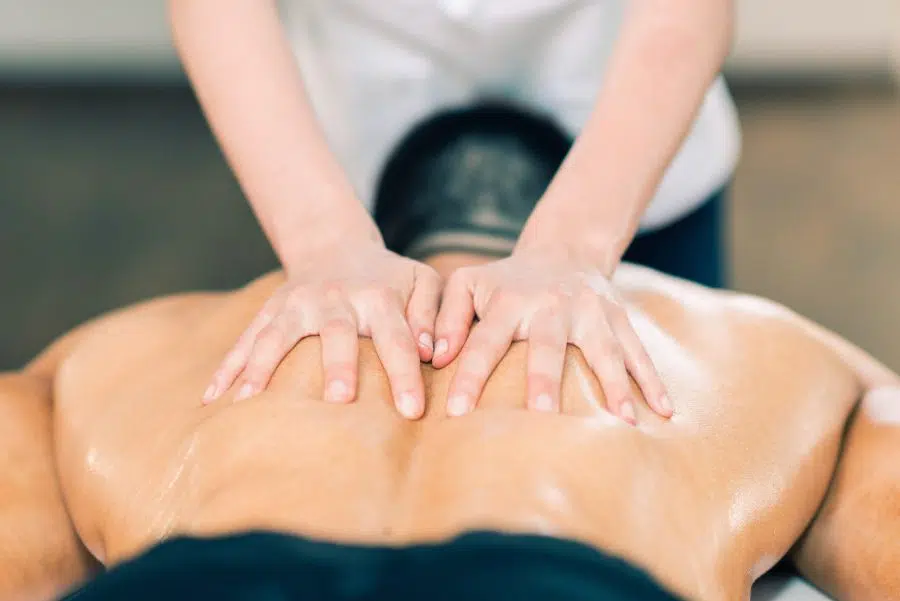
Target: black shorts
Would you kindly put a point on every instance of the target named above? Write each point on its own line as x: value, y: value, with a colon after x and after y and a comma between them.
x: 277, y: 567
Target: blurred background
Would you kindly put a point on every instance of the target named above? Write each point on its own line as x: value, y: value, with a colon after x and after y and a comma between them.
x: 112, y: 189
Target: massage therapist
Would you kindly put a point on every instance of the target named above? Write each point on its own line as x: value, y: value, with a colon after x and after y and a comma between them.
x: 308, y: 97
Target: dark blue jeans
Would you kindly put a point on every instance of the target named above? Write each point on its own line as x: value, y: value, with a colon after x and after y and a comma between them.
x: 693, y: 248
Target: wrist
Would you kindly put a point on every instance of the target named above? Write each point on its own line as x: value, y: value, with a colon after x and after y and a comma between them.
x: 589, y: 252
x: 323, y: 235
x: 587, y: 214
x: 567, y: 231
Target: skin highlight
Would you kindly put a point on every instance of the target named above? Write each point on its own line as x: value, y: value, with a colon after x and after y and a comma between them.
x: 704, y: 501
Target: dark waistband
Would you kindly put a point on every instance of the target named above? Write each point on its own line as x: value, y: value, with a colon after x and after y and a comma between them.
x: 278, y: 567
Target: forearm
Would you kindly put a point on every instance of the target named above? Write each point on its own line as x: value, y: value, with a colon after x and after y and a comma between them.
x: 247, y: 82
x: 667, y: 56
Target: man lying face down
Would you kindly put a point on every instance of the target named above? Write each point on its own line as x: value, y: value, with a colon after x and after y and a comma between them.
x: 284, y: 496
x: 371, y: 505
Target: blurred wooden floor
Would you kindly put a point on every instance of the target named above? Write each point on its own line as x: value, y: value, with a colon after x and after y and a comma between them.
x: 816, y: 212
x: 108, y: 196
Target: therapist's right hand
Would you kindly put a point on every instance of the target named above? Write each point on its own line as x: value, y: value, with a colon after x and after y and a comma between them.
x: 340, y: 295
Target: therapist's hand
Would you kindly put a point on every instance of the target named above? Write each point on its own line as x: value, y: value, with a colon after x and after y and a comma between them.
x: 340, y: 295
x: 550, y: 301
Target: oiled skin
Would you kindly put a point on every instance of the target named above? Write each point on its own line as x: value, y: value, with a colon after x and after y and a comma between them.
x: 40, y: 553
x: 705, y: 502
x: 852, y: 550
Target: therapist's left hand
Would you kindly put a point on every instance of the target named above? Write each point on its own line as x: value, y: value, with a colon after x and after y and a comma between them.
x: 550, y: 301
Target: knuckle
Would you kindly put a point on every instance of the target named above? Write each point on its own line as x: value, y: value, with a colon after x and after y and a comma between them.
x: 460, y: 276
x: 615, y: 384
x: 338, y: 327
x: 298, y: 298
x: 420, y: 323
x: 430, y: 275
x: 610, y: 355
x: 504, y: 298
x: 543, y: 377
x: 618, y: 315
x: 267, y: 313
x: 282, y: 326
x: 640, y: 372
x: 613, y: 353
x: 424, y: 307
x: 561, y: 292
x: 377, y: 298
x: 333, y: 291
x: 543, y: 344
x: 405, y: 344
x: 478, y: 339
x: 617, y: 378
x: 402, y: 379
x: 340, y: 370
x: 648, y: 377
x: 587, y: 296
x: 501, y: 305
x: 552, y: 305
x: 234, y: 360
x: 258, y: 365
x: 642, y: 360
x: 256, y: 371
x: 485, y: 339
x: 395, y: 345
x: 541, y: 382
x: 615, y: 398
x: 552, y: 325
x: 268, y: 348
x: 467, y: 384
x: 270, y: 309
x: 593, y: 302
x: 474, y: 365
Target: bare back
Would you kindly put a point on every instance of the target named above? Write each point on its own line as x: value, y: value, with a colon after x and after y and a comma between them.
x: 705, y: 502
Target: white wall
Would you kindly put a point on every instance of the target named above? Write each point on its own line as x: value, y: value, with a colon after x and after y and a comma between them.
x: 116, y: 37
x: 816, y: 35
x: 60, y: 37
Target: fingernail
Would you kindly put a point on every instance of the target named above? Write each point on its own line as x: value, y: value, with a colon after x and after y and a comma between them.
x: 666, y: 404
x: 426, y: 341
x: 408, y: 406
x: 246, y: 391
x: 543, y: 403
x: 627, y: 412
x: 458, y: 405
x: 441, y: 347
x: 337, y: 391
x: 211, y: 393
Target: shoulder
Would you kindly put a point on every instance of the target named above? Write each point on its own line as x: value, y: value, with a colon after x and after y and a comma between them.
x: 725, y: 322
x: 642, y: 285
x: 123, y: 336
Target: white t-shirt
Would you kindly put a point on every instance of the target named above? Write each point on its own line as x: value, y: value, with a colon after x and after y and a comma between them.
x: 375, y: 68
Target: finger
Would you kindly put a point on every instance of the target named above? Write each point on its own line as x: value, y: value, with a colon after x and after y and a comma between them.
x: 421, y: 311
x: 454, y: 319
x: 398, y: 353
x: 236, y: 359
x: 604, y: 355
x: 340, y: 353
x: 270, y: 348
x: 485, y: 347
x: 546, y: 355
x: 640, y: 366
